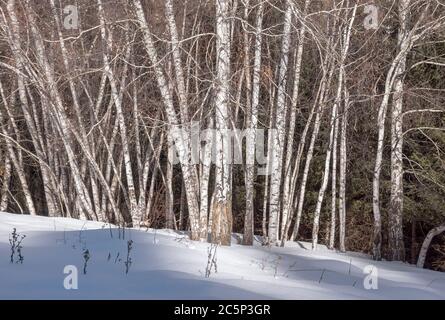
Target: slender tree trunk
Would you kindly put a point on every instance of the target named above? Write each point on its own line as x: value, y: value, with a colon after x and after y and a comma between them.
x: 169, y: 206
x: 395, y: 239
x: 222, y: 198
x: 206, y: 156
x: 6, y: 177
x: 404, y: 45
x: 325, y: 179
x: 334, y: 187
x: 268, y: 159
x: 177, y: 61
x: 342, y: 174
x: 279, y: 138
x: 153, y: 180
x: 249, y: 221
x: 426, y: 244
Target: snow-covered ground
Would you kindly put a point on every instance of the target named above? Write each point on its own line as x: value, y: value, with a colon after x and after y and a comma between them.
x: 166, y: 265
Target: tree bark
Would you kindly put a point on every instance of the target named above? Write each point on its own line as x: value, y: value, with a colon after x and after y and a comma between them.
x: 222, y: 198
x: 249, y: 220
x: 278, y: 144
x: 342, y: 174
x: 395, y: 239
x: 426, y: 244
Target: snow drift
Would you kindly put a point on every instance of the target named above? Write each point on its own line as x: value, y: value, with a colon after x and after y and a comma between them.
x: 167, y: 265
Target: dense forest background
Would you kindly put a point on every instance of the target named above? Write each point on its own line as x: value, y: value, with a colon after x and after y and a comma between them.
x: 90, y: 92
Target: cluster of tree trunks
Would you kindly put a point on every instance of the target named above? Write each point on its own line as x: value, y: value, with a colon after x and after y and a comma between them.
x: 97, y: 113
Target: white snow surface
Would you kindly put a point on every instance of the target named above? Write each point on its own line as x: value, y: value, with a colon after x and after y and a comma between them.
x: 167, y: 265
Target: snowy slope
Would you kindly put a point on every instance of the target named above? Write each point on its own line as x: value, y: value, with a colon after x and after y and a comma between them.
x: 166, y: 265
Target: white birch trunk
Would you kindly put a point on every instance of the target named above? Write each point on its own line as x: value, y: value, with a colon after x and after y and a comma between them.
x: 6, y: 177
x: 395, y: 239
x: 249, y: 220
x: 334, y: 186
x: 177, y: 61
x: 269, y: 155
x: 169, y: 213
x: 325, y: 179
x: 279, y: 138
x: 426, y: 244
x: 222, y: 197
x: 404, y: 45
x: 342, y: 174
x: 206, y: 156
